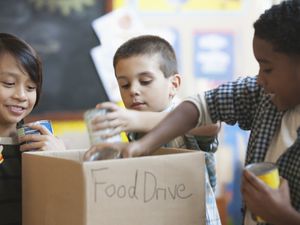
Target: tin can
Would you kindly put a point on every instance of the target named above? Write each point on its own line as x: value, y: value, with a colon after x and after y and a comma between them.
x: 268, y: 173
x: 24, y: 130
x: 94, y: 154
x: 96, y: 137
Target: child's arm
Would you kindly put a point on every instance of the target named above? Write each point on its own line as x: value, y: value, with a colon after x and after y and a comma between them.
x: 122, y: 119
x: 41, y: 142
x: 179, y: 121
x: 206, y: 130
x: 273, y: 206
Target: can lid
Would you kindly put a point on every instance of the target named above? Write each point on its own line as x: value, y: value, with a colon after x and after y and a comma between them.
x: 261, y: 168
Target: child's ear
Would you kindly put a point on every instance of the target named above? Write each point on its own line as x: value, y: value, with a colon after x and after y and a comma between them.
x: 175, y: 82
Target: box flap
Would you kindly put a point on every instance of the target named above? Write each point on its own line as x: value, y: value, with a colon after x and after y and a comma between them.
x: 49, y: 186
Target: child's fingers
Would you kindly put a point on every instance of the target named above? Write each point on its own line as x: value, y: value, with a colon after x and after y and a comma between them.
x: 102, y: 118
x: 252, y: 179
x: 41, y: 143
x: 107, y: 124
x: 99, y: 119
x: 284, y: 186
x: 111, y: 133
x: 107, y: 105
x: 42, y: 129
x: 33, y: 138
x: 31, y: 146
x: 252, y: 184
x: 102, y: 125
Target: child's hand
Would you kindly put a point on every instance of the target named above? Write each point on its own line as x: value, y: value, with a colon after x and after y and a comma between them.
x: 126, y: 150
x: 40, y: 142
x: 271, y: 205
x: 117, y: 119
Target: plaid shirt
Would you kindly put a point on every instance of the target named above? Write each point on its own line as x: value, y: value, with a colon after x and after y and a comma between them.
x: 245, y: 103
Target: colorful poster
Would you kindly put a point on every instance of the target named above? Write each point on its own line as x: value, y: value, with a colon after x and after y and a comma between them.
x: 213, y: 56
x: 126, y: 24
x: 171, y: 6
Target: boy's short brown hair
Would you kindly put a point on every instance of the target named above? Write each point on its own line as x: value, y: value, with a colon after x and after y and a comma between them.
x: 149, y: 45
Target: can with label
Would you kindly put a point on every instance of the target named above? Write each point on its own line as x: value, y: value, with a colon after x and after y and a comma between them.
x: 96, y: 137
x: 24, y: 130
x: 268, y: 173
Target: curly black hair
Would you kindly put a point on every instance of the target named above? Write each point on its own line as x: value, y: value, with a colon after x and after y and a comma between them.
x: 280, y: 26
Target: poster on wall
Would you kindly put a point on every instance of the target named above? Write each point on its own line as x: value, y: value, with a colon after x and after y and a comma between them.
x: 126, y: 24
x: 171, y: 6
x: 213, y: 58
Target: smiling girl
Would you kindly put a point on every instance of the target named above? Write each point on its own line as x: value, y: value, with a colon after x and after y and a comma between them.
x: 20, y: 88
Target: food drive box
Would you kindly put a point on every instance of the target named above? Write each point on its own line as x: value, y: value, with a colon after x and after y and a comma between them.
x: 162, y: 189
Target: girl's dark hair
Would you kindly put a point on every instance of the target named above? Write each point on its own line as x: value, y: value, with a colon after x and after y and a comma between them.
x: 149, y: 45
x: 280, y: 26
x: 26, y: 56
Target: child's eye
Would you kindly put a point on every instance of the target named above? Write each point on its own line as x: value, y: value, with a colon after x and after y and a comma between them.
x: 145, y: 82
x: 31, y: 88
x: 267, y: 70
x: 8, y: 84
x: 125, y: 86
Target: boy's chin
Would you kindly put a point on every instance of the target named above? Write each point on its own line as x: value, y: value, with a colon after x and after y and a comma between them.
x: 140, y: 108
x: 282, y: 105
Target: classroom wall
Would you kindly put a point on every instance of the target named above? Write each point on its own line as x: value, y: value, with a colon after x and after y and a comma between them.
x: 233, y: 26
x: 237, y: 23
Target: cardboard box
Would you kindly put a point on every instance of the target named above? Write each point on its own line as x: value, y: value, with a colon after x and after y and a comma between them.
x: 161, y: 189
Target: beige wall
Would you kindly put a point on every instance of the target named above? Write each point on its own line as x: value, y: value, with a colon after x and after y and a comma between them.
x: 239, y: 23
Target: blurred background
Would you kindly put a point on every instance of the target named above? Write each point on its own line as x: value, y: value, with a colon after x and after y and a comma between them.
x: 76, y: 40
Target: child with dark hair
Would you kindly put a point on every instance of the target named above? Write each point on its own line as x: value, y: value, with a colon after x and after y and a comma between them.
x: 146, y: 71
x: 267, y: 104
x: 20, y: 87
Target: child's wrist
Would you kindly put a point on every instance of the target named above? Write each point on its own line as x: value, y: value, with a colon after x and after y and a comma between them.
x: 134, y: 122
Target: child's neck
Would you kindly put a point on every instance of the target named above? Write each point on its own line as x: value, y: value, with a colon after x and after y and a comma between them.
x: 10, y: 131
x: 172, y: 104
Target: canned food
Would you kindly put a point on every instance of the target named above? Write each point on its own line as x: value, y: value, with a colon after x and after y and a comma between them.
x: 268, y: 173
x: 96, y: 137
x: 24, y: 130
x: 94, y: 154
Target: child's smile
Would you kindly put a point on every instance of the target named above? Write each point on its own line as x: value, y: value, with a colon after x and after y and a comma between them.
x: 17, y: 91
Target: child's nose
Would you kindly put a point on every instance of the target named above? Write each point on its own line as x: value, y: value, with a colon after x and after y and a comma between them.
x: 134, y: 90
x: 20, y: 93
x: 261, y: 81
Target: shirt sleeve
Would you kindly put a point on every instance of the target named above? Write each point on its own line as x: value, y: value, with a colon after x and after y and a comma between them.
x: 200, y: 102
x: 235, y: 102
